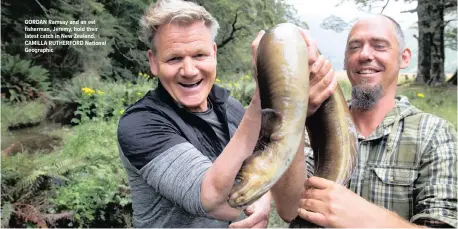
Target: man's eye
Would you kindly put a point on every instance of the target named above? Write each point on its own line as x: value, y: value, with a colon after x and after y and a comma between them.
x: 354, y: 46
x: 173, y: 59
x: 380, y: 47
x: 199, y: 55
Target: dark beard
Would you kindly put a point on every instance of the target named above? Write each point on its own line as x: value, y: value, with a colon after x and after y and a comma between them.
x: 365, y: 97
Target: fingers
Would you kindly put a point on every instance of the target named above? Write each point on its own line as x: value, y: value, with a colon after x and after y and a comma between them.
x: 313, y: 217
x: 312, y: 205
x: 316, y: 194
x: 254, y: 51
x: 324, y: 88
x: 255, y: 44
x: 262, y: 224
x: 311, y: 45
x: 319, y: 69
x: 318, y: 183
x: 322, y: 84
x: 248, y: 222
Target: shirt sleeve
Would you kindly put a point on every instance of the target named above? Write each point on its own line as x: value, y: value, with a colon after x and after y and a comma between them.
x: 436, y: 186
x: 164, y: 159
x: 308, y: 153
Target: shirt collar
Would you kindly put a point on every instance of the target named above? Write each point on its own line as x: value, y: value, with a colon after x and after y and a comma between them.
x: 402, y: 109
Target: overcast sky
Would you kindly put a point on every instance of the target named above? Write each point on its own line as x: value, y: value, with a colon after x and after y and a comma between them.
x: 332, y: 44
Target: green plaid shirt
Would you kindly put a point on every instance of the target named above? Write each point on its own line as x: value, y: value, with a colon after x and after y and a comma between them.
x: 408, y: 165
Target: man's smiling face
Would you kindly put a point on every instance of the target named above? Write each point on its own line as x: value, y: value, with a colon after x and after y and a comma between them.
x: 185, y: 62
x: 372, y: 55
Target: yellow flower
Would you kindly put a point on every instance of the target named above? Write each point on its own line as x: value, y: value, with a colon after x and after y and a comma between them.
x: 100, y: 92
x: 140, y: 74
x: 139, y: 93
x: 122, y: 111
x: 421, y: 95
x: 236, y: 85
x: 129, y: 84
x: 218, y: 81
x: 87, y: 91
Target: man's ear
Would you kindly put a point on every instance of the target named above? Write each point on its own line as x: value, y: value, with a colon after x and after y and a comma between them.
x: 214, y: 50
x: 153, y: 62
x: 405, y: 58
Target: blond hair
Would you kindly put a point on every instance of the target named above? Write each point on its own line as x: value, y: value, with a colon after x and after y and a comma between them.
x: 166, y: 11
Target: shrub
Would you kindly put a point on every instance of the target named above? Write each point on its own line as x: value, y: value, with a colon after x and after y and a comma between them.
x: 101, y: 183
x: 241, y: 88
x: 22, y: 81
x: 28, y: 181
x: 102, y: 100
x: 83, y: 184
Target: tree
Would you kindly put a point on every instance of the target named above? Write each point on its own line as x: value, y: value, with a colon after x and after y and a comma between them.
x: 118, y: 23
x: 240, y: 21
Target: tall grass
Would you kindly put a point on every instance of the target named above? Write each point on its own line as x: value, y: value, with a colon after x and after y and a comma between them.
x: 440, y: 101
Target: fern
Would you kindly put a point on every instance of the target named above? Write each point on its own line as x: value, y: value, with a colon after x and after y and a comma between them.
x: 7, y: 211
x: 23, y: 80
x: 24, y: 177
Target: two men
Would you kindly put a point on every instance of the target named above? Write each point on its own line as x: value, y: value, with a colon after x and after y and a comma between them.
x: 184, y: 142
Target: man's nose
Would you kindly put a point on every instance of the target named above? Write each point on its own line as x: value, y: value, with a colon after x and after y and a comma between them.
x: 189, y: 69
x: 366, y: 54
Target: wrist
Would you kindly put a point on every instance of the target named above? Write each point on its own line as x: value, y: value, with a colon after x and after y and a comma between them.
x: 392, y: 220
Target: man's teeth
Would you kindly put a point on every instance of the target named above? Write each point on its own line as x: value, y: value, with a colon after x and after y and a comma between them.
x: 367, y: 71
x: 190, y: 85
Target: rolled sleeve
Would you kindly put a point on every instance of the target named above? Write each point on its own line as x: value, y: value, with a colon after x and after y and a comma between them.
x: 436, y: 198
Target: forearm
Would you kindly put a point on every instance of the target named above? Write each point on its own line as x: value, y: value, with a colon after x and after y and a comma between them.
x: 219, y: 179
x: 388, y: 219
x: 287, y: 191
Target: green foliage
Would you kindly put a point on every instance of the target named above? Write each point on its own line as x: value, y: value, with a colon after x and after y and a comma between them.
x: 242, y: 88
x: 102, y: 99
x: 28, y: 181
x: 80, y: 182
x: 7, y: 211
x: 440, y: 101
x: 30, y: 113
x: 23, y: 81
x: 101, y: 182
x: 240, y: 21
x: 110, y: 99
x: 450, y: 37
x: 345, y: 86
x: 69, y: 91
x: 118, y: 23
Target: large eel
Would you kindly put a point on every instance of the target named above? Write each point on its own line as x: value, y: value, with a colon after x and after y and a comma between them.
x: 334, y: 140
x: 283, y: 78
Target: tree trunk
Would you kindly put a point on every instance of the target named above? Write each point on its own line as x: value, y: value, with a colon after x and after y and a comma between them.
x: 431, y: 52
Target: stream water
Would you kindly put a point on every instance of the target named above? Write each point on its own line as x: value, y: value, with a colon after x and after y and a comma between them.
x: 32, y: 139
